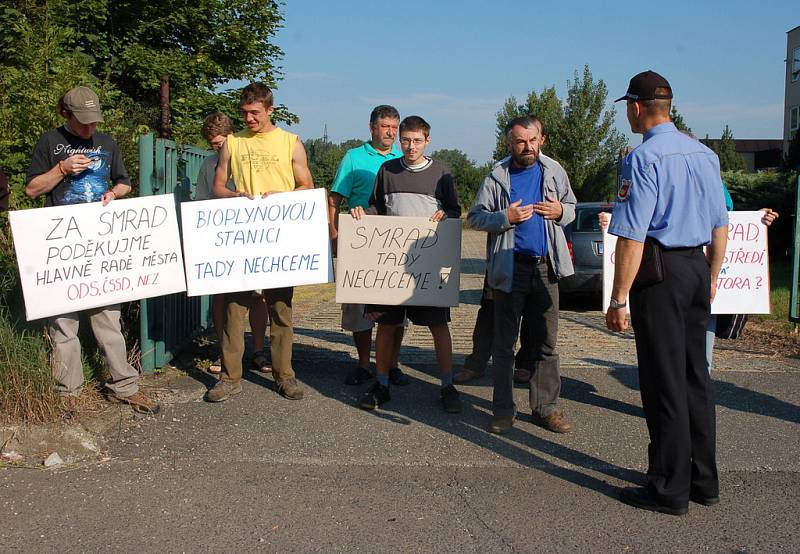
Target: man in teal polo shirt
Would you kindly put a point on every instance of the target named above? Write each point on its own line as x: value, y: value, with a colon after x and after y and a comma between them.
x: 354, y: 182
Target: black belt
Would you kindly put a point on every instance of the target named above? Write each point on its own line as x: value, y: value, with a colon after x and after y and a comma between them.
x: 532, y: 260
x: 675, y: 249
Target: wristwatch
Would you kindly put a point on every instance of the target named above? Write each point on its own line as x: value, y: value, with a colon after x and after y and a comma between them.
x: 614, y: 305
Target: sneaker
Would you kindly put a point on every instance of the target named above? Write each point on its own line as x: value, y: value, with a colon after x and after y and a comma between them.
x: 223, y: 390
x: 358, y: 376
x: 554, y: 422
x: 397, y: 377
x: 451, y: 400
x: 138, y: 401
x: 502, y: 424
x: 289, y: 388
x: 466, y: 375
x: 375, y: 396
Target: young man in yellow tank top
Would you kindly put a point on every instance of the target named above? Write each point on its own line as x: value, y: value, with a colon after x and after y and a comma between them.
x: 262, y: 160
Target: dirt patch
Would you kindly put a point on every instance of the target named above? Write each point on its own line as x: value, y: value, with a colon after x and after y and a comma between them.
x: 79, y: 437
x: 769, y: 336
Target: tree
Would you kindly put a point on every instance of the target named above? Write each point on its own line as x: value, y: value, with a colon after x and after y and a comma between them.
x: 792, y: 159
x: 41, y: 66
x: 201, y: 45
x: 678, y: 120
x: 725, y: 148
x: 467, y: 176
x: 580, y: 133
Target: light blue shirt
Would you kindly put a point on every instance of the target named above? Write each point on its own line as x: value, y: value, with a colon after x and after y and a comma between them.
x: 355, y: 177
x: 671, y: 191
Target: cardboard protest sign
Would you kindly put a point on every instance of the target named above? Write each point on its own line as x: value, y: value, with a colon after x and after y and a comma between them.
x: 239, y: 244
x: 743, y: 284
x: 398, y: 260
x: 83, y: 256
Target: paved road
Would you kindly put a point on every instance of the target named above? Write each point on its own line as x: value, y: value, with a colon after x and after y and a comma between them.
x: 260, y: 473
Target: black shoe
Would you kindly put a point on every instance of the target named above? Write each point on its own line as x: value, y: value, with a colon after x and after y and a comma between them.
x: 397, y: 377
x: 375, y: 396
x: 502, y: 424
x: 703, y: 500
x: 358, y: 376
x: 451, y: 400
x: 640, y: 497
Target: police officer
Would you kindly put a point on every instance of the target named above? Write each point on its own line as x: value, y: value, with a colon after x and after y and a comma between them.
x: 670, y: 203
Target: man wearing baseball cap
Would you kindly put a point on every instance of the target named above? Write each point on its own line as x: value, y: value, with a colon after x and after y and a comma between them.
x: 670, y: 204
x: 75, y: 164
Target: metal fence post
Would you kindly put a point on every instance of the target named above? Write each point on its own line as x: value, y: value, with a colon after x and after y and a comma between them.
x: 146, y: 343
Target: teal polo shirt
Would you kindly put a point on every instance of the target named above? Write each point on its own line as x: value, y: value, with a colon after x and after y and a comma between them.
x: 355, y: 177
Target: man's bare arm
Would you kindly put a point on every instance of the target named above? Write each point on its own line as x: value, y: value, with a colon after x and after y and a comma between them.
x: 302, y: 175
x: 223, y: 174
x: 628, y: 256
x: 715, y: 252
x: 334, y: 201
x: 47, y: 181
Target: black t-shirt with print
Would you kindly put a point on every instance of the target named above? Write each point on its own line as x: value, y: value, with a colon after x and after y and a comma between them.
x: 106, y: 167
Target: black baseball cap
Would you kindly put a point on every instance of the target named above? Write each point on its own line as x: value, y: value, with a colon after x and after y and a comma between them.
x: 643, y: 87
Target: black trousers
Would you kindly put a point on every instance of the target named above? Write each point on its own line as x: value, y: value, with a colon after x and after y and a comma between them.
x: 669, y: 320
x: 483, y: 337
x: 535, y: 294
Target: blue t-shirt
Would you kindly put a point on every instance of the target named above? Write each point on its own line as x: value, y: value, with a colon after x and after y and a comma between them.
x: 355, y: 178
x: 530, y: 237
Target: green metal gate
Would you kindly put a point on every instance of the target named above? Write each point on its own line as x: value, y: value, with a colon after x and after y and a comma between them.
x: 166, y: 167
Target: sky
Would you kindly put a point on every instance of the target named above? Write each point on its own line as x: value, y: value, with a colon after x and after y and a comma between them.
x: 454, y: 62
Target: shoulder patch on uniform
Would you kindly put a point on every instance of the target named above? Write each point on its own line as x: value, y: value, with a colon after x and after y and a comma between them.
x: 624, y: 190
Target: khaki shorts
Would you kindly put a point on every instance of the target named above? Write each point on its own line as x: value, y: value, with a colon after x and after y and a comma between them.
x: 353, y: 319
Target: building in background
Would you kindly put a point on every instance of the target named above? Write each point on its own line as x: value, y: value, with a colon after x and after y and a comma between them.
x: 791, y: 104
x: 758, y: 154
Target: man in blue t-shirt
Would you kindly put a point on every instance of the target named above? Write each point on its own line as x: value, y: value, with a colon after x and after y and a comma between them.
x: 354, y: 181
x: 523, y: 204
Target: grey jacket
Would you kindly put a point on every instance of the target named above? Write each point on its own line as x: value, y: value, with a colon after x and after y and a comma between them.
x: 488, y: 213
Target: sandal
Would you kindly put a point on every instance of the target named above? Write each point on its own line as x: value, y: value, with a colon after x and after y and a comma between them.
x: 261, y: 362
x: 215, y: 367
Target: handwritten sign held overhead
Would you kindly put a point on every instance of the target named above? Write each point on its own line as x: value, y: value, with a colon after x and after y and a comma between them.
x: 398, y: 260
x: 83, y: 256
x: 238, y: 244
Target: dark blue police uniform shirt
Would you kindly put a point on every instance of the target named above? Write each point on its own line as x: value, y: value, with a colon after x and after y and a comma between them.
x: 671, y: 190
x: 530, y: 237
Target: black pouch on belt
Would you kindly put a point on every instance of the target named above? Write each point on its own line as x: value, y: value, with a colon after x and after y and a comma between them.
x: 651, y: 270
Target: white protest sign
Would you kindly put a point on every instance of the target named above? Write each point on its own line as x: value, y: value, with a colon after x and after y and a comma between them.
x: 609, y: 246
x: 83, y: 256
x: 398, y: 260
x: 239, y: 244
x: 743, y: 284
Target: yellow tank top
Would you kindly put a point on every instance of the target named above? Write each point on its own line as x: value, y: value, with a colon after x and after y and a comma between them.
x: 262, y: 162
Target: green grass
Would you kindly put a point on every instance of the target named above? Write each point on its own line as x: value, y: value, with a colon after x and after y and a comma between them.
x: 26, y: 379
x: 780, y: 288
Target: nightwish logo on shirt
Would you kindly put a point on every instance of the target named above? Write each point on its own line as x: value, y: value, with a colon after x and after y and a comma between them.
x: 71, y: 151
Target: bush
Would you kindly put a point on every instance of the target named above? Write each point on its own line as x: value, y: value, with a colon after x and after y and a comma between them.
x: 770, y: 189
